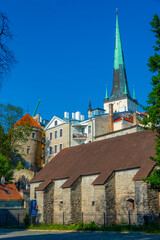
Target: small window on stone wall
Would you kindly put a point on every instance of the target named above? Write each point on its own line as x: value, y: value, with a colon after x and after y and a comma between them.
x: 60, y: 205
x: 130, y: 203
x: 93, y: 203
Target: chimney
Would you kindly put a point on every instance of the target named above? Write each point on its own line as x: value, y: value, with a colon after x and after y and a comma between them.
x: 135, y: 118
x: 2, y: 179
x: 111, y: 117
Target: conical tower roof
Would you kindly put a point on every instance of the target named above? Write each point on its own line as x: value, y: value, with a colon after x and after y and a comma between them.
x: 120, y: 85
x: 27, y: 120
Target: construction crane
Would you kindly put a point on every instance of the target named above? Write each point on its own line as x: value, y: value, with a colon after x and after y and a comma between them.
x: 36, y: 107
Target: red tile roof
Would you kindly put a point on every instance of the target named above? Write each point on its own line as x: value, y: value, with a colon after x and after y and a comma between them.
x: 27, y: 120
x: 9, y: 192
x: 101, y: 157
x: 124, y: 118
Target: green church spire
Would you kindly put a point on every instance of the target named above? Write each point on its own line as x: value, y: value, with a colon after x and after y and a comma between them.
x: 106, y: 97
x: 120, y: 85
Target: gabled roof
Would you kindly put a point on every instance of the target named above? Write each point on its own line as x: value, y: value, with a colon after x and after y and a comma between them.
x: 102, y: 157
x: 9, y: 192
x: 28, y: 121
x: 125, y: 119
x: 49, y: 125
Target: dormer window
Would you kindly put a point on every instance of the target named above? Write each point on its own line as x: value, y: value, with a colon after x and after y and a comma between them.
x: 55, y: 123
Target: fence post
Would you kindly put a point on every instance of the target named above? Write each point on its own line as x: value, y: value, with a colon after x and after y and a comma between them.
x: 104, y: 219
x: 63, y: 218
x: 129, y: 217
x: 82, y: 219
x: 6, y: 219
x: 18, y: 219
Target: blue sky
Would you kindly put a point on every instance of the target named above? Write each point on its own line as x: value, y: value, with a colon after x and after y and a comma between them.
x: 65, y: 52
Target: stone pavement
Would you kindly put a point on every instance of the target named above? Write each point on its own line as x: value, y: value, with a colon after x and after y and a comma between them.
x: 61, y: 235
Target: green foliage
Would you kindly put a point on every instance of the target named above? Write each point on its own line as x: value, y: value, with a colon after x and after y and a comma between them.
x: 153, y: 107
x: 6, y: 169
x: 152, y: 228
x: 26, y: 219
x: 12, y: 138
x: 9, y: 115
x: 19, y: 166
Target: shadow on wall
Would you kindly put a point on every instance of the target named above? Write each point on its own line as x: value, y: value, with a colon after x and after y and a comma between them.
x: 12, y: 217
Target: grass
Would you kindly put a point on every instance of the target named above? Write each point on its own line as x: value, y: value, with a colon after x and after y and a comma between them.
x: 152, y: 228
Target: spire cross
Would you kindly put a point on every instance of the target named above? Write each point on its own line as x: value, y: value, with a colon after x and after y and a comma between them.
x: 116, y: 10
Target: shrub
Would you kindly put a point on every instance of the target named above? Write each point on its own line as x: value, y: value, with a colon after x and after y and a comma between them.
x: 26, y: 219
x: 19, y: 166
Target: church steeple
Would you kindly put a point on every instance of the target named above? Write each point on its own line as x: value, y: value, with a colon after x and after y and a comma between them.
x: 120, y: 96
x: 120, y: 85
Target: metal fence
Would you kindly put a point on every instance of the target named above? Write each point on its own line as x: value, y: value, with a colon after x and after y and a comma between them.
x: 102, y: 218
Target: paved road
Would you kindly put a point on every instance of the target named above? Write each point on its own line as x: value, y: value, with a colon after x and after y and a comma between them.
x: 43, y: 235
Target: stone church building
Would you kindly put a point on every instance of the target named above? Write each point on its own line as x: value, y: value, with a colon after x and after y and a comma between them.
x: 103, y: 181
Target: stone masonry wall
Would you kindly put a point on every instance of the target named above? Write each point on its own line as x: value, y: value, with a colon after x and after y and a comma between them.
x: 48, y: 203
x: 153, y: 201
x: 76, y: 205
x: 58, y: 203
x: 146, y: 200
x: 67, y: 206
x: 125, y: 195
x: 100, y: 204
x: 110, y: 200
x: 101, y: 125
x: 88, y: 198
x: 40, y: 206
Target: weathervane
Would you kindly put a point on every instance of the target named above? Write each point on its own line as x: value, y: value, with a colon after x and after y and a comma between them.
x: 116, y: 10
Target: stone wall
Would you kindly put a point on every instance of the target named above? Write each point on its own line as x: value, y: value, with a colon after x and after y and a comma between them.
x: 113, y: 202
x: 32, y: 158
x: 120, y: 132
x: 100, y: 204
x: 101, y: 125
x: 125, y: 195
x: 153, y: 200
x: 12, y: 217
x: 40, y: 206
x: 48, y: 203
x: 59, y: 199
x: 147, y: 200
x: 110, y: 200
x: 88, y: 198
x: 22, y: 177
x: 76, y: 204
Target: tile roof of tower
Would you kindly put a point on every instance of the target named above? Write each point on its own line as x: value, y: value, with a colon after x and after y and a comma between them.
x: 28, y: 121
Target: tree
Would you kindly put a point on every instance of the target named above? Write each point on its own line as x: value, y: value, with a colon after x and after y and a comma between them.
x: 153, y: 108
x: 12, y: 138
x: 7, y: 58
x: 5, y: 168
